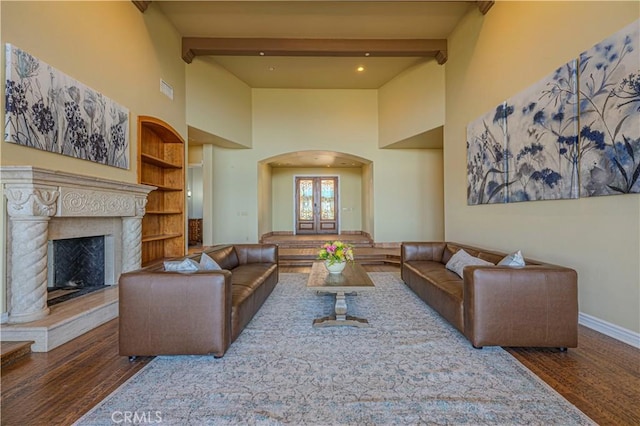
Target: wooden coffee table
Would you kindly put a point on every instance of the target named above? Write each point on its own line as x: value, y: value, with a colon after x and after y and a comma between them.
x: 352, y: 280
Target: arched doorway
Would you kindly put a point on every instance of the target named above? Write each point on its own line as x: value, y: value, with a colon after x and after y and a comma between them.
x: 279, y: 198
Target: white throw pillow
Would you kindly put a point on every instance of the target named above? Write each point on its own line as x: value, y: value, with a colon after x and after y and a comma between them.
x: 461, y: 259
x: 514, y: 259
x: 208, y: 264
x: 185, y: 265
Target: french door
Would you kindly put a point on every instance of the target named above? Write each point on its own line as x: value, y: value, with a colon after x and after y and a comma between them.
x: 316, y: 205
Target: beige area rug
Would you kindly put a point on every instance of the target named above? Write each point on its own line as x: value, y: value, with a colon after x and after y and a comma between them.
x: 409, y: 367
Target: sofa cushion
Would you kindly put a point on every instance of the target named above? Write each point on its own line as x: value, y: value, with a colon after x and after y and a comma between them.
x: 251, y: 275
x: 453, y: 248
x: 208, y: 264
x: 514, y: 259
x: 492, y: 257
x: 226, y: 257
x: 461, y: 259
x: 424, y: 266
x: 184, y: 265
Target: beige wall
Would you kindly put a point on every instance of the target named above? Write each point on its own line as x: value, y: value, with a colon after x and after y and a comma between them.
x: 411, y: 103
x: 112, y: 48
x: 350, y: 193
x: 194, y: 155
x: 368, y: 219
x: 265, y: 199
x: 494, y: 57
x: 407, y: 184
x: 126, y: 66
x: 219, y: 102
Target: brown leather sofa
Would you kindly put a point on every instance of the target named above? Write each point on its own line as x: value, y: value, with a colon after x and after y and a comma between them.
x: 532, y: 306
x: 173, y: 313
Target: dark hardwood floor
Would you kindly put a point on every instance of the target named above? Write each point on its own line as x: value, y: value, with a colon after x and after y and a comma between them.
x: 601, y: 377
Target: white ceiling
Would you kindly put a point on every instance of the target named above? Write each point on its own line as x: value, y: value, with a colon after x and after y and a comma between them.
x: 314, y: 20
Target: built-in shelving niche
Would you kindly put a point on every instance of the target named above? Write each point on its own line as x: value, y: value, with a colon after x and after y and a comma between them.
x: 161, y: 164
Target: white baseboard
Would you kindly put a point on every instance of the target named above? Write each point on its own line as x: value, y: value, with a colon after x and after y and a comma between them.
x: 619, y: 333
x: 4, y: 318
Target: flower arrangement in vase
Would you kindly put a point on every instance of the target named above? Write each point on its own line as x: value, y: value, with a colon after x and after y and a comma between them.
x: 336, y: 254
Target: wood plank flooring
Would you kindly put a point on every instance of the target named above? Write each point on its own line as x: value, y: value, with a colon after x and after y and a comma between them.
x: 601, y: 377
x: 58, y: 387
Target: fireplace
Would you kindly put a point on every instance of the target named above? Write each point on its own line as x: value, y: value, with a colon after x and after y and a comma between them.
x: 44, y: 206
x: 76, y: 266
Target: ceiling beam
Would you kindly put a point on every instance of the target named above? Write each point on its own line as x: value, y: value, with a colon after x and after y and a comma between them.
x: 198, y: 46
x: 141, y: 5
x: 484, y: 6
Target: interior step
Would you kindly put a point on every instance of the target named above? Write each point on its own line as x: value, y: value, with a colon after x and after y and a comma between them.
x: 317, y: 245
x: 362, y: 255
x: 12, y: 351
x: 363, y: 261
x: 316, y: 241
x: 302, y: 250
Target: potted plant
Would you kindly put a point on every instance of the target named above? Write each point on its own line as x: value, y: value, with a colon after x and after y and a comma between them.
x: 336, y: 254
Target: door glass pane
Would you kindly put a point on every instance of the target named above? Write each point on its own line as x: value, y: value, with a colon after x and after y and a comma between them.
x: 327, y: 201
x: 306, y: 199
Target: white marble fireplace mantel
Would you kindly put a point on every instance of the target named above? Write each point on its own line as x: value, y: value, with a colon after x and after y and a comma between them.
x: 40, y: 202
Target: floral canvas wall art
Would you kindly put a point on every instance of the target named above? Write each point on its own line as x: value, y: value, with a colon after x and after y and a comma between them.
x: 486, y: 165
x: 48, y: 110
x: 610, y: 115
x: 542, y: 139
x: 575, y: 133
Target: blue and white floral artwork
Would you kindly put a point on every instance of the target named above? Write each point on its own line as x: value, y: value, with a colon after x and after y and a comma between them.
x: 486, y: 166
x: 610, y: 115
x: 575, y: 133
x: 48, y: 110
x: 542, y: 139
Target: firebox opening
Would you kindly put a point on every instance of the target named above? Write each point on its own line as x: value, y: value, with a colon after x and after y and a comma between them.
x: 77, y: 268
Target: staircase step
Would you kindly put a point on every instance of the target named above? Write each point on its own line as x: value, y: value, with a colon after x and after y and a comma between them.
x: 302, y: 250
x: 316, y: 241
x: 12, y: 351
x: 367, y: 261
x: 370, y: 256
x: 316, y: 245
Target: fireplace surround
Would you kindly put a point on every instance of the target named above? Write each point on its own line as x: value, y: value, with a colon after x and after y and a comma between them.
x: 44, y: 205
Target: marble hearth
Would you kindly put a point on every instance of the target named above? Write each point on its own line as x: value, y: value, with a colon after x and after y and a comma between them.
x: 45, y: 205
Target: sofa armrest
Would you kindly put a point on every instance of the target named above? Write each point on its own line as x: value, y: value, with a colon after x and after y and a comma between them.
x: 256, y: 253
x: 421, y: 251
x: 171, y: 313
x: 533, y: 306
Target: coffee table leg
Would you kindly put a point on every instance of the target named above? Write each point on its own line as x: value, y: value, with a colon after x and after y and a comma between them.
x: 341, y: 306
x: 340, y: 317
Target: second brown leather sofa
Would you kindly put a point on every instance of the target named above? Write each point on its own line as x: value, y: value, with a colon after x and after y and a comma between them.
x: 173, y: 313
x: 535, y: 305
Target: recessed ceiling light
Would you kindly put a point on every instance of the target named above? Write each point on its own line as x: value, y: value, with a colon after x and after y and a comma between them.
x: 272, y: 68
x: 367, y: 54
x: 360, y: 69
x: 261, y: 53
